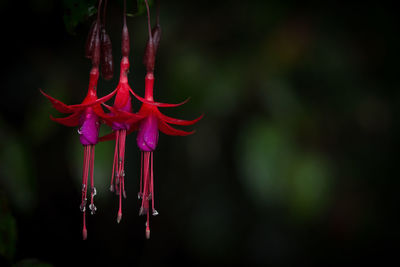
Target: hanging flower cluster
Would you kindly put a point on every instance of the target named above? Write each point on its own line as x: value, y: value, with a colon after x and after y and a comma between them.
x: 148, y: 121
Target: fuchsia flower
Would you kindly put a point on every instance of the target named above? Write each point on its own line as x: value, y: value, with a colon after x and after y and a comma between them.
x: 122, y: 103
x: 151, y: 120
x: 148, y: 121
x: 87, y: 116
x: 147, y: 139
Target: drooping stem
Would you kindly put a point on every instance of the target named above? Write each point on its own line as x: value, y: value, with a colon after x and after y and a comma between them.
x: 104, y: 12
x: 125, y: 35
x: 148, y: 20
x: 158, y: 12
x: 124, y: 12
x: 98, y: 11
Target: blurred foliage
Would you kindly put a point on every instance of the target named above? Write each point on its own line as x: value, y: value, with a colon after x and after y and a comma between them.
x: 17, y: 175
x: 32, y: 263
x: 8, y: 231
x: 78, y: 11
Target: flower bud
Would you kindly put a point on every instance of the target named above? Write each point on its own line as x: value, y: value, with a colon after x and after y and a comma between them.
x: 96, y: 50
x: 156, y: 33
x: 125, y: 41
x: 91, y: 39
x: 106, y: 58
x: 149, y: 56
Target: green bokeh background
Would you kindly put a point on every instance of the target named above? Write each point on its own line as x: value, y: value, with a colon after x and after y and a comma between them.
x: 294, y: 162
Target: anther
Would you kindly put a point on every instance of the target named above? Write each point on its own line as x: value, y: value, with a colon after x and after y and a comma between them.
x: 84, y: 234
x: 119, y: 217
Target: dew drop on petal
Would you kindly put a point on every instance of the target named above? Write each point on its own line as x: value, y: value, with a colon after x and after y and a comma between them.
x: 155, y: 212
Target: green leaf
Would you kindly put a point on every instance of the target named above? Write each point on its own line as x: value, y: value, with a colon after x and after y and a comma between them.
x: 78, y: 11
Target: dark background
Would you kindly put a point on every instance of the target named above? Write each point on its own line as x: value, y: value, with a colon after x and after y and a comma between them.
x: 294, y: 163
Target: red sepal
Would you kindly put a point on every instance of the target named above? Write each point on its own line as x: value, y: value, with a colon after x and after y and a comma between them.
x: 167, y: 129
x: 58, y: 105
x: 158, y: 104
x: 178, y: 121
x: 70, y: 121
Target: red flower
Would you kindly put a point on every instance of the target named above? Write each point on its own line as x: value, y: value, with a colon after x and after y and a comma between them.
x: 122, y: 103
x: 151, y: 121
x: 87, y: 116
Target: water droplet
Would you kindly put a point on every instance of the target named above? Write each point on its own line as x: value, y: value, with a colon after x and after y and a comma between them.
x: 124, y: 194
x: 155, y: 212
x: 94, y: 191
x: 139, y: 195
x: 92, y: 208
x: 83, y: 187
x: 123, y: 173
x: 142, y: 211
x: 112, y: 188
x: 79, y: 131
x: 83, y: 206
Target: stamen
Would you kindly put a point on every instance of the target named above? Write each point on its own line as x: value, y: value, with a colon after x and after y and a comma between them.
x: 152, y: 185
x: 140, y: 194
x: 115, y: 160
x: 121, y: 172
x: 146, y: 181
x: 119, y: 217
x: 92, y: 207
x: 148, y: 227
x: 86, y: 157
x: 84, y: 230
